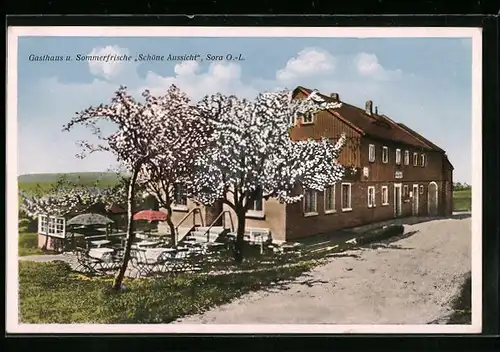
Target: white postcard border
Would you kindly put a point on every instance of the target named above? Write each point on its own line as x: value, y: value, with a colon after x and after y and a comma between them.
x: 12, y: 324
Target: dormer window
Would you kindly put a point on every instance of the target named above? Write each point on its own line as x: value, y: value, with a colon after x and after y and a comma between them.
x: 308, y: 118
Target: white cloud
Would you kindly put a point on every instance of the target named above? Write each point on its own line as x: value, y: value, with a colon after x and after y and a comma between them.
x: 308, y: 62
x: 186, y: 68
x: 219, y: 77
x: 367, y: 65
x: 112, y: 68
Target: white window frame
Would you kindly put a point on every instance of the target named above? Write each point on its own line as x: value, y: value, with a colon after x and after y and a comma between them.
x: 176, y: 206
x: 371, y: 153
x: 415, y: 159
x: 386, y: 189
x: 407, y: 157
x: 421, y: 189
x: 254, y: 213
x: 333, y: 207
x: 54, y: 226
x: 422, y: 160
x: 349, y: 208
x: 314, y: 201
x: 372, y: 203
x: 398, y: 156
x: 385, y: 152
x: 309, y: 115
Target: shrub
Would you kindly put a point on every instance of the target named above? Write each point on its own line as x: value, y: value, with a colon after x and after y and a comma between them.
x: 28, y: 244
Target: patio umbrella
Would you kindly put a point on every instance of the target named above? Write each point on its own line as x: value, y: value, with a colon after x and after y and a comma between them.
x: 150, y: 215
x: 89, y: 219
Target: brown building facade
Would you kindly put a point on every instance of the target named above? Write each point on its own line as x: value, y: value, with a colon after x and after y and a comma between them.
x: 392, y: 172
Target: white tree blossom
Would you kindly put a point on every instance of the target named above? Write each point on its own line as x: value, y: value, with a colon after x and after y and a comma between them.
x: 182, y: 138
x: 66, y: 198
x: 250, y: 152
x: 250, y: 149
x: 131, y: 142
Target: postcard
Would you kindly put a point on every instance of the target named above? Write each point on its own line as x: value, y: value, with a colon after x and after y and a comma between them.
x: 244, y: 180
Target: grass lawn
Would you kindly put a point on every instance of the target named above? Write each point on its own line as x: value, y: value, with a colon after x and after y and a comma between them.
x: 462, y: 200
x: 27, y: 244
x: 52, y: 293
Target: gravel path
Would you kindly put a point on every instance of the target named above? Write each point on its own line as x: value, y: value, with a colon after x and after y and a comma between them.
x: 407, y: 281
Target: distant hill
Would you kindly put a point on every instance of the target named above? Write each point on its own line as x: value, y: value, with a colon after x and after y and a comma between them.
x: 77, y: 177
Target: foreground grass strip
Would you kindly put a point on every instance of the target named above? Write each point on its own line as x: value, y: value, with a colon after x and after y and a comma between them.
x: 51, y: 293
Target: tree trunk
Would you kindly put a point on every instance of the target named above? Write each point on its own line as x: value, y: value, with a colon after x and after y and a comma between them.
x: 212, y: 212
x: 240, y: 233
x: 173, y: 234
x: 117, y: 283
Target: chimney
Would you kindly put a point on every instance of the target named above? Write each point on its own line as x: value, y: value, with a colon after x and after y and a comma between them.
x: 335, y: 96
x: 368, y: 107
x: 376, y: 110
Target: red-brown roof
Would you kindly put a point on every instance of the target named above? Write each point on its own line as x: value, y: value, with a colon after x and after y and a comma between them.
x: 376, y: 126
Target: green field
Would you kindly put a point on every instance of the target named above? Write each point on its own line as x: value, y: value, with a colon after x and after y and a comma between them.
x: 462, y: 200
x: 31, y: 182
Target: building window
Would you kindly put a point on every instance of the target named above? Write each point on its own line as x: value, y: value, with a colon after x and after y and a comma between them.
x: 422, y: 160
x: 407, y: 157
x: 308, y: 117
x: 371, y: 196
x: 421, y: 189
x: 256, y: 208
x: 385, y: 195
x: 398, y: 156
x: 371, y: 153
x: 51, y: 226
x: 257, y: 204
x: 330, y: 199
x: 405, y: 191
x: 346, y: 196
x: 385, y: 155
x: 310, y: 202
x: 180, y: 197
x: 415, y: 159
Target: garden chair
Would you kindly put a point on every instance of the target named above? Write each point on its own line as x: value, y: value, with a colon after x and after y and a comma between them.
x: 87, y: 263
x: 145, y: 265
x: 110, y: 261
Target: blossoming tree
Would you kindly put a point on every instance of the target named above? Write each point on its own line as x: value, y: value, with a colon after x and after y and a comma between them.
x: 182, y: 139
x: 251, y: 154
x: 66, y: 198
x: 152, y: 138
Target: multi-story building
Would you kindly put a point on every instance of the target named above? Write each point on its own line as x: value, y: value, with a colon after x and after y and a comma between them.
x: 392, y: 172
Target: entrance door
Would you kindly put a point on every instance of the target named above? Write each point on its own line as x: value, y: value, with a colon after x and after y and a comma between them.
x: 414, y: 201
x: 432, y: 194
x: 397, y: 200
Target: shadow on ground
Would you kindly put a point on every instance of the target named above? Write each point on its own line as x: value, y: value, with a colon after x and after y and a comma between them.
x: 340, y: 236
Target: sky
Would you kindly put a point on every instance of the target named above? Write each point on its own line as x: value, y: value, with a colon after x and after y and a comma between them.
x: 426, y: 83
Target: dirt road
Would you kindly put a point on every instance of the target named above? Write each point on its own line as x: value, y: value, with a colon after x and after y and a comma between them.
x: 407, y: 281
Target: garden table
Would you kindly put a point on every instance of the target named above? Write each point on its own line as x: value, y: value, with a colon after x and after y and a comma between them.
x: 100, y: 243
x: 146, y: 244
x: 154, y: 253
x: 100, y: 252
x: 215, y: 244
